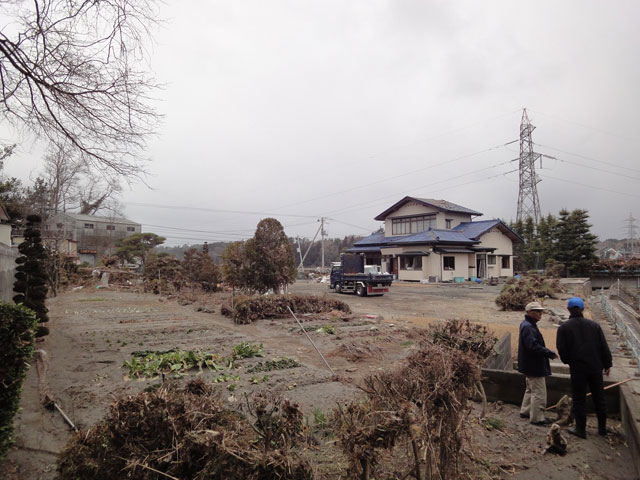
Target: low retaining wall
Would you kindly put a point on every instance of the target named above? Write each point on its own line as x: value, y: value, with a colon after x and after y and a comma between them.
x: 508, y: 387
x: 501, y: 359
x: 7, y: 272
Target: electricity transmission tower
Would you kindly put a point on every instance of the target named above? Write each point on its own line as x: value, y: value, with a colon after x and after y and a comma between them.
x: 528, y: 203
x: 632, y: 240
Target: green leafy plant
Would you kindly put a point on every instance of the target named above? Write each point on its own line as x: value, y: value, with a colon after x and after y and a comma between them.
x: 248, y: 350
x: 493, y: 423
x: 17, y: 327
x: 329, y: 329
x: 150, y: 364
x: 319, y: 418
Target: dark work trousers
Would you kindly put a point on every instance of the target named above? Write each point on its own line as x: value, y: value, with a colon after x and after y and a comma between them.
x: 579, y: 383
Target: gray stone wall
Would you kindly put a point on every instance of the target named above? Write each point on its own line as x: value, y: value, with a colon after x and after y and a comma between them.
x: 7, y: 272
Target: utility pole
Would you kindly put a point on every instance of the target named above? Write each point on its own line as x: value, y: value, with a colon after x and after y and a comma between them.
x: 322, y: 234
x: 632, y: 241
x: 528, y: 203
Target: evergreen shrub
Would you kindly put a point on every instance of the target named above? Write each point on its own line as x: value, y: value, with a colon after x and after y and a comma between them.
x: 17, y: 327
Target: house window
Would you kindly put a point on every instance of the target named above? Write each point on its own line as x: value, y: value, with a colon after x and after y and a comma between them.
x: 506, y: 263
x: 131, y: 229
x: 408, y: 225
x: 59, y: 226
x: 447, y: 222
x: 89, y: 226
x: 413, y: 262
x: 449, y: 263
x: 491, y: 259
x: 111, y: 227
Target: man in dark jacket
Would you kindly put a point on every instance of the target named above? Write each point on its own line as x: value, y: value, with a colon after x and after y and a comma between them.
x: 533, y: 362
x: 582, y: 345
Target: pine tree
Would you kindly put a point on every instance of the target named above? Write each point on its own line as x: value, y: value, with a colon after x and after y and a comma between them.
x: 547, y: 234
x: 576, y: 245
x: 31, y: 279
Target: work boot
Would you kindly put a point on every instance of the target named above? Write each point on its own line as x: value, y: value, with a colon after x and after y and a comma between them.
x: 602, y: 426
x: 580, y: 429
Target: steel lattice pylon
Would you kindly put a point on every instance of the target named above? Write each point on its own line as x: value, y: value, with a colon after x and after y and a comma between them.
x: 528, y: 203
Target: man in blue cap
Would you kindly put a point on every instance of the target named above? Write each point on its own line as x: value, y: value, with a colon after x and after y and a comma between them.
x: 582, y: 345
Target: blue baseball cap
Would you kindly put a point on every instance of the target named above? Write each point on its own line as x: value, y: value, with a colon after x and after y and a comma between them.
x: 575, y: 302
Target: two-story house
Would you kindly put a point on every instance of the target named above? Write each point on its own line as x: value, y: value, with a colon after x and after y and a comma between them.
x: 436, y: 240
x: 90, y: 237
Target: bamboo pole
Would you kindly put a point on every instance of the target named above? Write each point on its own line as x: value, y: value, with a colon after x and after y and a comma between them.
x: 314, y: 345
x: 605, y: 388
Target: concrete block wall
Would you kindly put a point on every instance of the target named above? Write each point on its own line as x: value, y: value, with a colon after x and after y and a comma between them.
x: 7, y: 272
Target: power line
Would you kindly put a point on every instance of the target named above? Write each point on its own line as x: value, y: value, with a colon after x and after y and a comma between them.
x: 592, y: 186
x: 588, y: 127
x: 215, y: 210
x: 387, y: 179
x: 589, y: 158
x: 378, y: 200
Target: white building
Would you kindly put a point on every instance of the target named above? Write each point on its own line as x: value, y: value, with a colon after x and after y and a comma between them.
x: 436, y: 240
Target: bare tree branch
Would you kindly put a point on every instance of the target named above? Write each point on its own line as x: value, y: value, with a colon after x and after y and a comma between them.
x: 69, y: 72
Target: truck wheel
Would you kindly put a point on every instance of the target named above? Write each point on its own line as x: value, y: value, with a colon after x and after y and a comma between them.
x: 360, y: 291
x: 338, y: 287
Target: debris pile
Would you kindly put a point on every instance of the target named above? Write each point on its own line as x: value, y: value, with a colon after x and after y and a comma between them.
x: 423, y: 404
x: 249, y: 309
x: 517, y: 293
x: 187, y: 434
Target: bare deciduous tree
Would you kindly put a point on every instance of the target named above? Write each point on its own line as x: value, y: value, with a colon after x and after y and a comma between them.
x: 70, y: 72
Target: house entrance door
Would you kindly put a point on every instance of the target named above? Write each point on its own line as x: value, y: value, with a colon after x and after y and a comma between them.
x: 481, y: 265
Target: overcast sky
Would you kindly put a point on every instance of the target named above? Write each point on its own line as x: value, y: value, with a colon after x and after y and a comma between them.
x: 301, y: 109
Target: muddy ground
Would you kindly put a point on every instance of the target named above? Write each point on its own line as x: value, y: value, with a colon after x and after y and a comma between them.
x: 94, y: 331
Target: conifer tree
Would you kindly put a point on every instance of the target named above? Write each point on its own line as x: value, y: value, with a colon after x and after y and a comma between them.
x: 576, y: 245
x: 31, y: 279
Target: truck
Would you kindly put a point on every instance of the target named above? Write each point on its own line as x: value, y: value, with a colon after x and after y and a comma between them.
x: 351, y: 275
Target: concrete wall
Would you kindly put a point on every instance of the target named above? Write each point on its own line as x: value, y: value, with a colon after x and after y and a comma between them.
x: 501, y: 360
x: 629, y: 414
x: 8, y: 257
x: 508, y: 386
x: 5, y: 233
x: 461, y: 264
x: 504, y: 246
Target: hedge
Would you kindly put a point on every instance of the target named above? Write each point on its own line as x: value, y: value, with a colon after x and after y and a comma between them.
x: 17, y: 329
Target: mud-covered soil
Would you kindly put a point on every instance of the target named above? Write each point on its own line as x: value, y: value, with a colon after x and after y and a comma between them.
x: 94, y: 331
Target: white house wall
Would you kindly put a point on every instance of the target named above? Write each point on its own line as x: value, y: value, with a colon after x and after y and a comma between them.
x: 413, y: 208
x: 494, y: 238
x: 5, y: 234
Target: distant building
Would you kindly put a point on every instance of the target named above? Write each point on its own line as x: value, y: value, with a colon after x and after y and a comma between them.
x: 436, y: 240
x: 87, y: 237
x: 5, y: 226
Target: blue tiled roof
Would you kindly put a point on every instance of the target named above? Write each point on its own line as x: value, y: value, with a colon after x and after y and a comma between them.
x: 363, y: 249
x: 442, y: 205
x: 448, y: 206
x: 475, y: 229
x: 433, y: 236
x: 373, y: 239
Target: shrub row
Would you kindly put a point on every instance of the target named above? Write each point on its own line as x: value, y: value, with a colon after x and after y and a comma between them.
x: 249, y: 309
x: 517, y: 293
x: 17, y: 327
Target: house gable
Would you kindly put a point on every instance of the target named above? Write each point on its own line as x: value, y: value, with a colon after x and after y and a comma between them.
x: 413, y: 215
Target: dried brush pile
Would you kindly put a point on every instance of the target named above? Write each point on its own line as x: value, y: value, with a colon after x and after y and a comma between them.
x: 186, y: 434
x: 517, y: 293
x: 249, y: 309
x: 464, y: 336
x: 422, y: 405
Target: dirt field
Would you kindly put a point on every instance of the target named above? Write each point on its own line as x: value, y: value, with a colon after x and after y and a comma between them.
x: 94, y: 331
